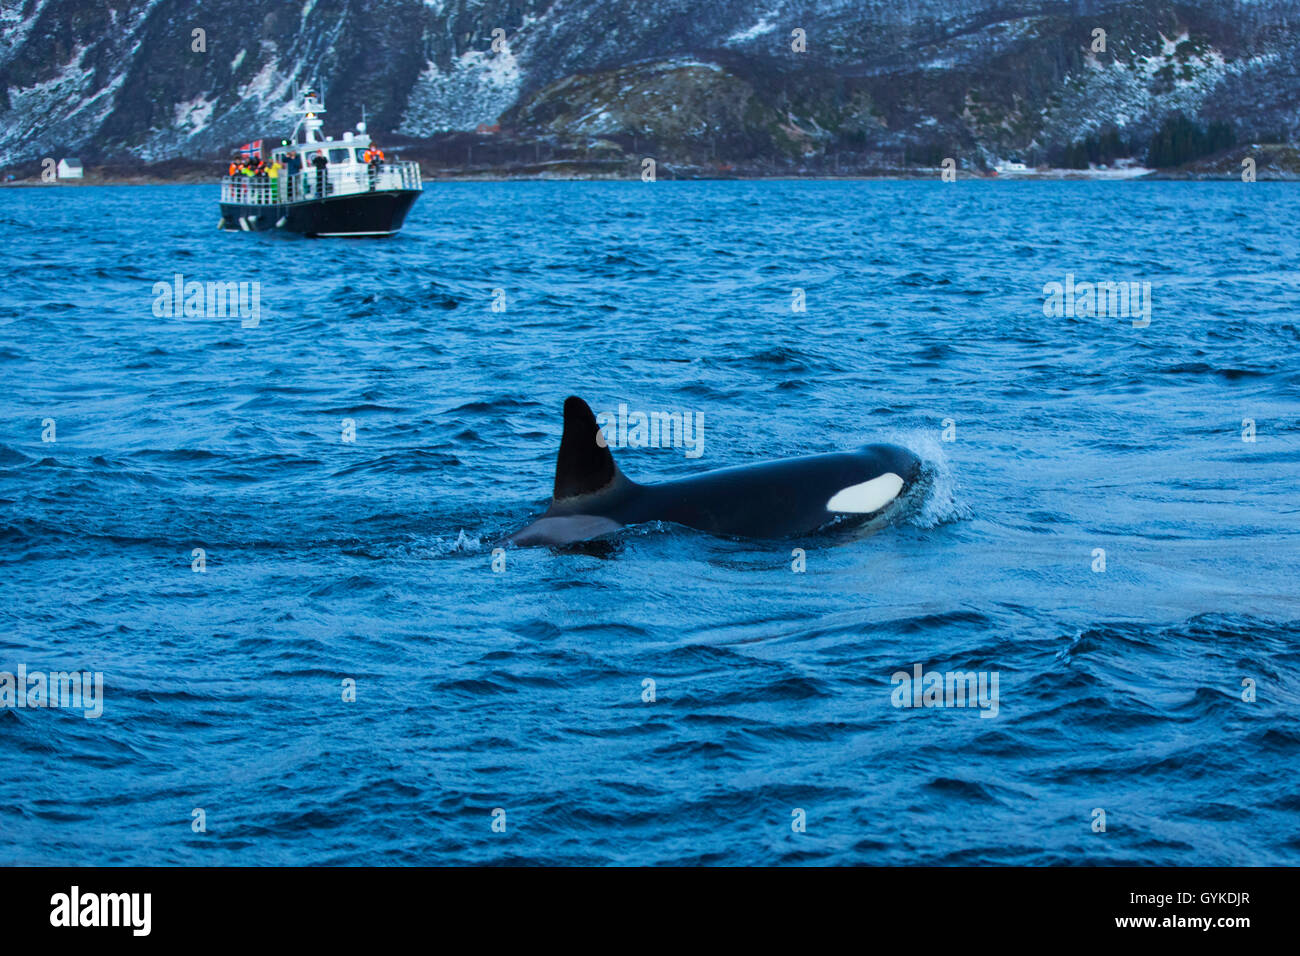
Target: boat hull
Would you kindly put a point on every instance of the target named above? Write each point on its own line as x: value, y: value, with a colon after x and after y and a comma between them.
x: 363, y: 214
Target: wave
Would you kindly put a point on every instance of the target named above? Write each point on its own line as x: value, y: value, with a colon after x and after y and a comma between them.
x: 942, y: 503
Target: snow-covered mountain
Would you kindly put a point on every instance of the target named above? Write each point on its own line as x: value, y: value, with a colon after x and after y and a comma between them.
x: 158, y: 79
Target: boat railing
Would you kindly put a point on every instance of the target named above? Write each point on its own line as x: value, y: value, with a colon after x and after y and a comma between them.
x: 250, y: 190
x: 345, y: 180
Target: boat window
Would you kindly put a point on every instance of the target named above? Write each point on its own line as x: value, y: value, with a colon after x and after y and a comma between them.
x: 339, y: 155
x: 361, y: 154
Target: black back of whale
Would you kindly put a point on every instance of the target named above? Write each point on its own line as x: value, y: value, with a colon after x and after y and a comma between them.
x: 777, y: 499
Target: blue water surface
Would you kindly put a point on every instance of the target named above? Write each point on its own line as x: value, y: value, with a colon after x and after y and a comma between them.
x: 524, y: 689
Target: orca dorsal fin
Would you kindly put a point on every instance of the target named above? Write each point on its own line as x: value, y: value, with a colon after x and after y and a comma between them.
x: 584, y: 466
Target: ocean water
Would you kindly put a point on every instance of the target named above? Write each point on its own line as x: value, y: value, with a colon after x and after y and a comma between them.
x: 523, y: 690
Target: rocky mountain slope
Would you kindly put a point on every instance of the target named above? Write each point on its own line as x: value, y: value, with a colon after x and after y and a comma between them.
x: 702, y: 81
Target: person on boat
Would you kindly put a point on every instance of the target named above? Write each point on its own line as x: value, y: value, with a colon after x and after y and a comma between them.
x: 273, y: 174
x: 259, y: 181
x: 234, y: 169
x: 373, y: 156
x: 245, y: 180
x: 292, y: 166
x: 320, y: 162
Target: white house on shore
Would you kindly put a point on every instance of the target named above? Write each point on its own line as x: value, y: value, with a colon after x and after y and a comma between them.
x: 70, y: 169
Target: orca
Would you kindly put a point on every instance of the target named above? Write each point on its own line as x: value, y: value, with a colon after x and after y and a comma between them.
x: 772, y: 500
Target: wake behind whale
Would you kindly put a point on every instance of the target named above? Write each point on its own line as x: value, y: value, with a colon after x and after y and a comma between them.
x: 771, y: 500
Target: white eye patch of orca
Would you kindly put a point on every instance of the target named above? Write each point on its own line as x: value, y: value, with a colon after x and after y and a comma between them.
x: 868, y: 496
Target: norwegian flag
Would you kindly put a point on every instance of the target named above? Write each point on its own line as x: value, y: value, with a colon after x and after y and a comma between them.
x: 249, y: 150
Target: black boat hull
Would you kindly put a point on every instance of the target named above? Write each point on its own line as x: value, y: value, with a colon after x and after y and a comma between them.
x: 360, y: 214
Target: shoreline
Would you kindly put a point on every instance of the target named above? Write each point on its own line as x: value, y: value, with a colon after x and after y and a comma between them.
x: 1278, y: 162
x: 1271, y: 162
x: 507, y: 175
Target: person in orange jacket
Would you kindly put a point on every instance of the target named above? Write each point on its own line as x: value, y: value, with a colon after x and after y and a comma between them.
x: 373, y: 156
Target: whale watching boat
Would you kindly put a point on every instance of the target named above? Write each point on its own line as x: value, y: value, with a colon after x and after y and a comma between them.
x: 320, y: 186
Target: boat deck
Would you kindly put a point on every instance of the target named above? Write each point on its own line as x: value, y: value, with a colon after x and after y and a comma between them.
x: 311, y: 184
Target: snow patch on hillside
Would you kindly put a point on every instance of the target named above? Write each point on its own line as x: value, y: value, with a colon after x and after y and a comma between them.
x: 1140, y: 92
x: 763, y: 26
x: 478, y: 89
x: 193, y: 115
x: 15, y: 24
x: 31, y: 107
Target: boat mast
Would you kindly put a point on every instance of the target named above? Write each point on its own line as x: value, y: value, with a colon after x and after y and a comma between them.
x: 311, y: 107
